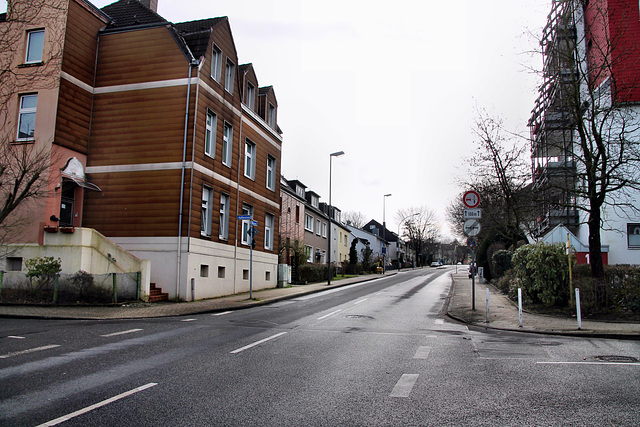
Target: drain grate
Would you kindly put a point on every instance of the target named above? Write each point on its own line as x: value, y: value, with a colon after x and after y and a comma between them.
x: 616, y: 359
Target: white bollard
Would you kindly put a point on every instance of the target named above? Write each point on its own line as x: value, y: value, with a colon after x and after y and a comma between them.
x: 487, y: 305
x: 520, y: 306
x: 579, y: 315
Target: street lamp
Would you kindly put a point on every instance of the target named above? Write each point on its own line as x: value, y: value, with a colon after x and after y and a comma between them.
x: 384, y: 231
x: 399, y: 224
x: 331, y: 156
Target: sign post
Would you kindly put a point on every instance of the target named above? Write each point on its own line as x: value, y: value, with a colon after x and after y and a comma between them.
x: 471, y: 200
x: 252, y: 231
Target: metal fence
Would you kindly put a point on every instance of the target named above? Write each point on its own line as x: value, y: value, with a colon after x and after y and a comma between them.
x: 77, y: 288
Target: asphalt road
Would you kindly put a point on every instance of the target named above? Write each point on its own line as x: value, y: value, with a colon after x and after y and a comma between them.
x: 378, y: 353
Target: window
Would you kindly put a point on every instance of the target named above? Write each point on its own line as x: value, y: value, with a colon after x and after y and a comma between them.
x: 216, y: 63
x: 204, y: 270
x: 250, y: 159
x: 324, y: 229
x: 227, y: 144
x: 27, y: 118
x: 272, y: 116
x: 268, y: 232
x: 35, y: 44
x: 297, y: 214
x: 221, y: 272
x: 251, y: 96
x: 224, y: 216
x: 633, y: 236
x: 210, y: 134
x: 245, y: 274
x: 230, y: 72
x: 271, y: 173
x: 308, y: 250
x: 318, y: 227
x: 246, y: 210
x: 308, y: 222
x: 205, y: 220
x: 267, y: 276
x: 14, y: 263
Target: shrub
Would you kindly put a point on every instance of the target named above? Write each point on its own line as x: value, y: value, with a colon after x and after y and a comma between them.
x: 42, y: 271
x: 500, y: 263
x: 310, y: 273
x: 542, y: 271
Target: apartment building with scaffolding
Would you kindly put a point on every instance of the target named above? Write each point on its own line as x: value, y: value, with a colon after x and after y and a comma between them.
x: 591, y: 74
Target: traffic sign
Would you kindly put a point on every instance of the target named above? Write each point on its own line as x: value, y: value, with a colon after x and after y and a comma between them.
x: 471, y: 227
x: 473, y: 213
x: 254, y: 222
x: 471, y: 199
x: 471, y: 242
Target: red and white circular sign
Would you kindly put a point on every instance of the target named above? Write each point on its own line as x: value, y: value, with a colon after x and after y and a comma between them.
x: 471, y: 199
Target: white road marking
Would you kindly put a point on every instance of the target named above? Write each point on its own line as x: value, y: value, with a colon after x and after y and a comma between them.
x: 18, y: 338
x: 188, y: 320
x: 330, y: 291
x: 361, y: 301
x: 589, y: 363
x: 330, y: 314
x: 31, y: 350
x: 422, y: 352
x: 439, y: 322
x: 404, y: 385
x: 221, y: 314
x: 121, y: 333
x: 96, y: 406
x: 246, y: 347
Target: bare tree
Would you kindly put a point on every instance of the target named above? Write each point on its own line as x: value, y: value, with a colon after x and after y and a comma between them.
x: 24, y: 164
x: 420, y: 226
x: 586, y: 127
x: 354, y: 218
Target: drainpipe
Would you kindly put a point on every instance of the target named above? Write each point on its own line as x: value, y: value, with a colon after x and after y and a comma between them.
x: 184, y: 165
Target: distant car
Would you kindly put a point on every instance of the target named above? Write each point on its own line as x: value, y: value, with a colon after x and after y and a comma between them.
x: 435, y: 264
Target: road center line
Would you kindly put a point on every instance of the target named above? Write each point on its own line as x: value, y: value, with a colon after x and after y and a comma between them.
x: 15, y: 337
x: 31, y: 350
x: 221, y: 314
x: 422, y: 352
x: 404, y: 385
x: 246, y: 347
x: 330, y: 314
x: 361, y: 301
x: 188, y: 320
x: 96, y: 406
x: 121, y: 333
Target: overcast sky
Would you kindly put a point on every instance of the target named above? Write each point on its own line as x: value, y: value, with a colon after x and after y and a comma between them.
x: 393, y: 84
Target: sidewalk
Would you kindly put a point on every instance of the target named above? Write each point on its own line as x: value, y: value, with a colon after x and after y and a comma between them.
x: 503, y: 313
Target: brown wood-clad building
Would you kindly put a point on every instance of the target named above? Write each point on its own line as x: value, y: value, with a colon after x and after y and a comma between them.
x: 177, y: 139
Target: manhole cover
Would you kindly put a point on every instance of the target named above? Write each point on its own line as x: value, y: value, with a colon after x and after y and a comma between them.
x: 616, y: 359
x: 358, y: 316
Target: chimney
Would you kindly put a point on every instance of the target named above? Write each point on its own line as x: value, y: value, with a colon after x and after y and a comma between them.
x: 151, y: 4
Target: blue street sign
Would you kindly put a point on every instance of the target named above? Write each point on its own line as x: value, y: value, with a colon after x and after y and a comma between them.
x: 243, y: 217
x: 254, y: 222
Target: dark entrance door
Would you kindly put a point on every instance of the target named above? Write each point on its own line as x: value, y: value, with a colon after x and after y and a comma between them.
x: 67, y: 202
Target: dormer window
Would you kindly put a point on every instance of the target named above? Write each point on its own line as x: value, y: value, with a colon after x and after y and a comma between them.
x: 315, y: 201
x: 300, y: 191
x: 230, y: 72
x: 271, y: 119
x: 250, y: 99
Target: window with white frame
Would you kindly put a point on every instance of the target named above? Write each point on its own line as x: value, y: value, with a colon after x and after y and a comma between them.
x: 318, y: 227
x: 227, y: 144
x: 268, y: 231
x: 308, y: 222
x: 308, y: 250
x: 210, y: 134
x: 249, y: 159
x: 27, y: 117
x: 224, y: 216
x: 271, y: 173
x: 205, y: 218
x: 250, y: 99
x: 246, y: 224
x: 230, y: 72
x: 272, y: 116
x: 324, y: 229
x: 633, y: 236
x: 216, y: 63
x: 35, y: 45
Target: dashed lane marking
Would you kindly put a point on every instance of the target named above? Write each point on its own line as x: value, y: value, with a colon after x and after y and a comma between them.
x: 328, y: 315
x: 188, y: 320
x: 246, y: 347
x: 15, y: 337
x: 404, y: 385
x: 221, y: 314
x: 422, y: 352
x: 96, y: 406
x: 130, y: 331
x: 31, y: 350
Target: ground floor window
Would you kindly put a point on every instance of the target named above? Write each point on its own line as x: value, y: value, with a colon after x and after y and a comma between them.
x: 633, y: 236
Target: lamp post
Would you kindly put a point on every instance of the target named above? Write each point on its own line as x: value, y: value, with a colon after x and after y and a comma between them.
x: 399, y: 224
x: 384, y: 232
x: 331, y: 156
